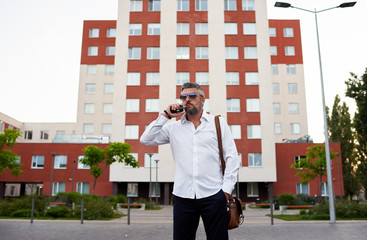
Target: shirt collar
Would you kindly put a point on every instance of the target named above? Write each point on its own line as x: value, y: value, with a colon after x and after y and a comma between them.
x: 204, y: 116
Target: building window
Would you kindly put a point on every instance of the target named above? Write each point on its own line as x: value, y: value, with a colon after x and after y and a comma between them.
x: 254, y: 160
x: 135, y: 29
x: 132, y: 132
x: 136, y: 5
x: 132, y: 189
x: 88, y: 128
x: 134, y: 53
x: 91, y: 69
x: 28, y: 135
x: 132, y: 105
x: 273, y: 50
x: 81, y: 165
x: 232, y: 78
x: 288, y: 32
x: 154, y: 5
x: 201, y: 28
x: 201, y: 53
x: 253, y: 132
x: 156, y: 190
x: 133, y: 79
x: 249, y: 29
x: 150, y: 161
x: 250, y: 52
x: 183, y: 53
x: 274, y: 69
x: 182, y: 77
x: 277, y: 128
x: 152, y: 105
x: 82, y: 187
x: 289, y: 50
x: 58, y: 187
x: 231, y: 52
x: 252, y: 189
x: 110, y: 51
x: 93, y: 51
x: 202, y: 78
x: 106, y: 128
x: 183, y: 5
x: 276, y: 107
x: 291, y: 68
x: 230, y: 5
x: 60, y: 161
x: 295, y: 128
x: 107, y: 108
x: 183, y: 28
x: 44, y: 135
x: 2, y: 126
x: 230, y: 28
x: 272, y: 32
x: 293, y: 108
x: 38, y: 161
x: 154, y: 28
x: 153, y: 53
x: 109, y: 69
x: 248, y: 5
x: 233, y: 105
x: 276, y: 88
x: 94, y: 33
x: 108, y: 88
x: 252, y: 78
x: 201, y: 5
x: 236, y: 131
x: 90, y: 88
x: 152, y: 78
x: 253, y: 105
x: 324, y: 189
x: 292, y: 87
x: 89, y: 108
x: 303, y: 189
x: 111, y: 32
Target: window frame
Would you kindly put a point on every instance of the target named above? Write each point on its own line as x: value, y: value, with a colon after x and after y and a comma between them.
x: 36, y: 162
x: 60, y: 162
x: 202, y: 53
x: 134, y: 53
x: 153, y: 53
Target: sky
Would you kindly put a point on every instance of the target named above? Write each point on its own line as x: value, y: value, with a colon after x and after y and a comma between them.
x: 40, y: 49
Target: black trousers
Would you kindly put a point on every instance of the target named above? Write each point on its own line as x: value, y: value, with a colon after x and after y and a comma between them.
x: 213, y: 211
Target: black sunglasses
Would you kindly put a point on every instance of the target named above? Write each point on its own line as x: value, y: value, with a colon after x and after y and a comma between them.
x: 191, y: 96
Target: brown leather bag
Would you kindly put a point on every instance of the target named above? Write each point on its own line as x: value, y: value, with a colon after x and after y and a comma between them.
x: 234, y: 205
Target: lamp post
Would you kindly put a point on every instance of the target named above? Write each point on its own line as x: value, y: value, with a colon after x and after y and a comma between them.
x: 52, y: 169
x: 150, y: 180
x: 72, y: 183
x: 156, y: 181
x: 327, y: 145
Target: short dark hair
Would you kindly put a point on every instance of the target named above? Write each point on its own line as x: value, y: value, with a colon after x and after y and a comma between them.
x: 193, y: 85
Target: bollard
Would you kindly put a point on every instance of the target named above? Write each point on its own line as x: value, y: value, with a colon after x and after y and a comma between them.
x: 82, y: 211
x: 32, y: 211
x: 128, y: 211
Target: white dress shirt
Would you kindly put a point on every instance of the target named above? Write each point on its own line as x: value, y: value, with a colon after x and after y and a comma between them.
x: 198, y: 172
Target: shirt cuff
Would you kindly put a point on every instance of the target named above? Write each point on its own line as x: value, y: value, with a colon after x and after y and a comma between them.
x: 161, y: 120
x: 227, y: 188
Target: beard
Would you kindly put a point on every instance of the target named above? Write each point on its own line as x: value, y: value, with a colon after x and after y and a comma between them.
x: 195, y: 109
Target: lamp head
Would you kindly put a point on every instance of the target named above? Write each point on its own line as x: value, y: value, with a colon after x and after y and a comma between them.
x: 282, y: 4
x: 347, y: 4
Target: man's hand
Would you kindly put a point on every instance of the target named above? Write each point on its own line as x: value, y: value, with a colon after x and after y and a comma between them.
x: 173, y: 115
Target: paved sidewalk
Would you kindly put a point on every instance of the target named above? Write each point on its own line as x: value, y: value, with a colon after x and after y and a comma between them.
x: 157, y: 225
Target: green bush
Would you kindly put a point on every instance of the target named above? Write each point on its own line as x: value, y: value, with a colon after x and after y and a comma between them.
x: 117, y: 199
x: 287, y: 199
x: 9, y: 206
x: 302, y: 212
x: 59, y: 212
x: 303, y: 199
x: 95, y: 208
x: 24, y: 213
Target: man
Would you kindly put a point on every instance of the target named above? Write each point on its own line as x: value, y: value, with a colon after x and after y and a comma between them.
x: 199, y: 187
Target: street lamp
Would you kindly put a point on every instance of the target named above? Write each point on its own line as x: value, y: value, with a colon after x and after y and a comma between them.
x: 327, y: 147
x: 156, y: 181
x: 150, y: 180
x: 52, y: 169
x: 72, y: 184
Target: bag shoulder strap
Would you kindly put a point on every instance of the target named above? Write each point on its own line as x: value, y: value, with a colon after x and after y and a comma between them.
x: 220, y: 145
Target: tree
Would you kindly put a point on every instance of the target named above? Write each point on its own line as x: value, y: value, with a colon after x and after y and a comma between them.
x: 313, y: 165
x: 340, y: 130
x: 115, y: 152
x: 8, y: 159
x: 357, y: 89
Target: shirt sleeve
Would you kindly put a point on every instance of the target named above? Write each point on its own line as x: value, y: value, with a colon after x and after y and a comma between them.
x: 155, y: 133
x: 230, y: 157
